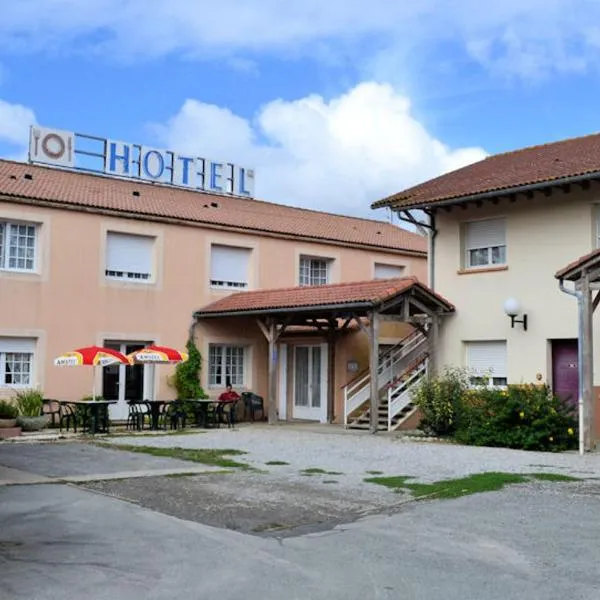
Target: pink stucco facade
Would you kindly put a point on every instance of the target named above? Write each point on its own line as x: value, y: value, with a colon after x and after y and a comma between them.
x: 68, y: 301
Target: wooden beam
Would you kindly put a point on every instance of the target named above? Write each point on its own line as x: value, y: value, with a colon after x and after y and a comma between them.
x: 596, y: 302
x: 548, y: 192
x: 530, y: 194
x: 587, y: 336
x: 566, y: 188
x: 418, y: 304
x: 263, y: 328
x: 366, y: 330
x: 331, y: 387
x: 273, y: 358
x: 433, y: 339
x: 373, y: 368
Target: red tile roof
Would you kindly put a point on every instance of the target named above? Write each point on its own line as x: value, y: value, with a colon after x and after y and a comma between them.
x: 75, y: 189
x: 572, y: 158
x: 574, y: 270
x: 367, y: 293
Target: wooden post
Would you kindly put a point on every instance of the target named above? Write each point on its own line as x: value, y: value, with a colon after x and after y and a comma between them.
x: 588, y: 363
x: 331, y: 343
x: 272, y: 373
x: 373, y: 367
x: 432, y: 345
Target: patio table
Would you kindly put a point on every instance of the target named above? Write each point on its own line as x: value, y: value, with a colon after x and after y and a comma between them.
x: 201, y: 409
x: 97, y: 410
x: 155, y: 406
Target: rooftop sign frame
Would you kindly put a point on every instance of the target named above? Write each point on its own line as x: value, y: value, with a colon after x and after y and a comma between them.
x: 93, y: 154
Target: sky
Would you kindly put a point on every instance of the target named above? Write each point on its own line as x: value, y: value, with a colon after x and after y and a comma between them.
x: 334, y: 104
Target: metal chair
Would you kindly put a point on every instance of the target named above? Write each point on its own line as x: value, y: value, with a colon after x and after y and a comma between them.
x: 252, y: 403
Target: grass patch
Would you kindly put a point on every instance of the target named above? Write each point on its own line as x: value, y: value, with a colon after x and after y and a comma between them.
x: 277, y: 463
x: 374, y: 472
x: 465, y: 486
x: 215, y: 457
x: 318, y: 471
x: 553, y: 477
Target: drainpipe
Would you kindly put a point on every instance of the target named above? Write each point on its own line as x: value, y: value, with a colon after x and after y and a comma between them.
x: 579, y: 297
x: 431, y: 252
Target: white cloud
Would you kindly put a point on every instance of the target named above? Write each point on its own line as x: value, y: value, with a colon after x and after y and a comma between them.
x: 338, y: 155
x: 15, y: 120
x: 527, y: 38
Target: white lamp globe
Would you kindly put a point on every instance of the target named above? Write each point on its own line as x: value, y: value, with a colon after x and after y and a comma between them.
x: 512, y: 307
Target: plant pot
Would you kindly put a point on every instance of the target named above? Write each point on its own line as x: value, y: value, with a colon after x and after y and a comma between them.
x: 7, y: 423
x: 32, y: 423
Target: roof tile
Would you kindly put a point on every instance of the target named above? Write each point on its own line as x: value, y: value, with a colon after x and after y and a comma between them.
x: 77, y: 189
x: 372, y: 292
x: 537, y: 164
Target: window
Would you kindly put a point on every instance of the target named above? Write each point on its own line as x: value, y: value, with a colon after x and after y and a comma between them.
x: 486, y: 362
x: 129, y: 257
x: 229, y: 267
x: 17, y: 246
x: 383, y: 271
x: 485, y: 243
x: 314, y: 271
x: 225, y: 365
x: 16, y: 362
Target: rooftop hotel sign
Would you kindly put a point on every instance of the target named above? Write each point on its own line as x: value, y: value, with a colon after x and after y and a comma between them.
x: 134, y: 161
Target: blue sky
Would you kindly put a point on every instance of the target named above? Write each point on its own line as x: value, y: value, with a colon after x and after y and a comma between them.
x: 333, y: 104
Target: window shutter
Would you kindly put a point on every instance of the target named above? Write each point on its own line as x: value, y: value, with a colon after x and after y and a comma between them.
x: 229, y: 264
x: 388, y: 271
x: 487, y: 357
x: 129, y: 253
x: 485, y: 234
x: 10, y: 344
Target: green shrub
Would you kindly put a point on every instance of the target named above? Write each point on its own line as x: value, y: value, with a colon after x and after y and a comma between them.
x: 440, y: 400
x: 29, y: 403
x: 92, y: 398
x: 186, y: 379
x: 528, y: 417
x: 8, y: 410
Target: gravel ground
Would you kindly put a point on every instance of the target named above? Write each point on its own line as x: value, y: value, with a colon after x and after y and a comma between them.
x: 283, y: 500
x: 356, y: 453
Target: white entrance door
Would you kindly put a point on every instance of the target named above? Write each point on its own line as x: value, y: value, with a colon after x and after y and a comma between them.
x: 310, y: 383
x: 124, y: 383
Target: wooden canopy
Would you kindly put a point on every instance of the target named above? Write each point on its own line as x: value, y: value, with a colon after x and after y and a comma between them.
x: 331, y: 309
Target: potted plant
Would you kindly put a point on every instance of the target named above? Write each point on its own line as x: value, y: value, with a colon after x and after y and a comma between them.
x: 8, y: 414
x: 29, y: 405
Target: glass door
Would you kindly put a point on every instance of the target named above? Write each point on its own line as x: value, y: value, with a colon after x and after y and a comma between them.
x: 124, y: 383
x: 308, y: 383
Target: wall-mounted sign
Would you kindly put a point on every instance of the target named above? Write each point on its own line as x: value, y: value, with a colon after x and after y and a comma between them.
x: 121, y: 159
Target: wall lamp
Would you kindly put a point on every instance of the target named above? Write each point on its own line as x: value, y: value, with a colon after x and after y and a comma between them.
x: 512, y: 307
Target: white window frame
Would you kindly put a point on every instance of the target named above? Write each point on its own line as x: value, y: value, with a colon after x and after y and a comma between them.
x: 497, y: 241
x: 234, y: 283
x: 305, y: 269
x: 5, y: 235
x: 142, y: 277
x: 390, y: 266
x: 490, y: 377
x: 18, y: 350
x: 222, y: 360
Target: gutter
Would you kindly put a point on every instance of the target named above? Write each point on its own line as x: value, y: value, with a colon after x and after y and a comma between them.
x: 519, y: 189
x: 579, y: 296
x: 274, y: 311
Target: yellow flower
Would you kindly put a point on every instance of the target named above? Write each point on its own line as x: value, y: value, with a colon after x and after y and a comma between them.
x: 522, y: 415
x: 570, y: 431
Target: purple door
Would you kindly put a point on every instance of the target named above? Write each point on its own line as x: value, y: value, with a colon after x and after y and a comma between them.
x: 565, y: 374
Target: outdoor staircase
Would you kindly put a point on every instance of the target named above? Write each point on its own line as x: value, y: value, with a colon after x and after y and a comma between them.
x: 400, y: 369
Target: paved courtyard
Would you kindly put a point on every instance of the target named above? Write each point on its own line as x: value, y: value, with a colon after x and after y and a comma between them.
x: 131, y: 525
